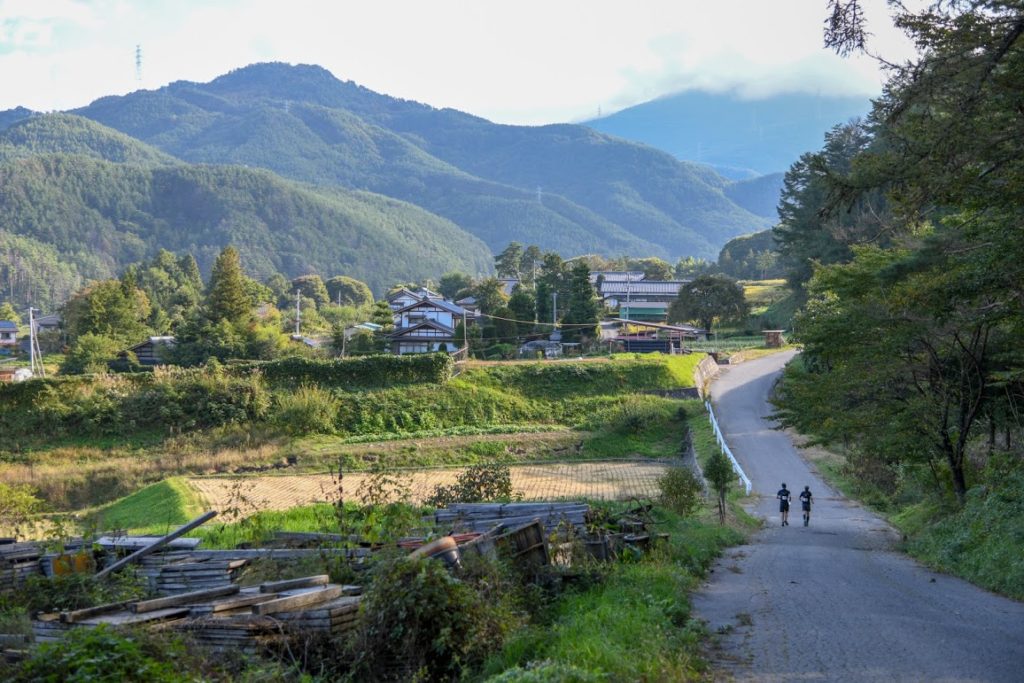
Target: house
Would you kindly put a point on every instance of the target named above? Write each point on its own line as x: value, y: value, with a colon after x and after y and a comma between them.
x: 404, y: 297
x: 8, y: 333
x: 642, y: 299
x: 149, y: 351
x: 47, y: 323
x: 599, y: 276
x: 427, y: 325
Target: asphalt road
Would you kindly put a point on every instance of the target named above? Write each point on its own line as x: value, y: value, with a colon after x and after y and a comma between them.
x: 834, y: 601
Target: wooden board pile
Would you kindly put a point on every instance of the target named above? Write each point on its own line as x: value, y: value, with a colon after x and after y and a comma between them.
x: 18, y: 561
x: 227, y: 617
x: 485, y: 516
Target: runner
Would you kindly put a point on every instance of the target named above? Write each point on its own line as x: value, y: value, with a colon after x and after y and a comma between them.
x: 805, y: 503
x: 784, y: 495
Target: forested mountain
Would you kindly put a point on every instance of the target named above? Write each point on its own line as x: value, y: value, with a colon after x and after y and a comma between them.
x: 758, y: 195
x: 69, y: 134
x: 77, y: 217
x: 740, y: 137
x: 563, y: 187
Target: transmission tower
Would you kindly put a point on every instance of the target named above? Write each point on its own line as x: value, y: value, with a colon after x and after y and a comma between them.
x: 138, y: 65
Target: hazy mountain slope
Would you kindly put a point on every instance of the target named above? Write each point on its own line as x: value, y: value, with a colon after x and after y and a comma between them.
x: 758, y: 195
x: 598, y: 194
x: 759, y: 136
x: 101, y: 216
x: 69, y: 134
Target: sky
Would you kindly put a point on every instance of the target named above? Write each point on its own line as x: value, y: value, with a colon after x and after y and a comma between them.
x: 523, y: 62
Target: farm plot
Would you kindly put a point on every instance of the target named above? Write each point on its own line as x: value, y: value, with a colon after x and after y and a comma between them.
x: 605, y: 480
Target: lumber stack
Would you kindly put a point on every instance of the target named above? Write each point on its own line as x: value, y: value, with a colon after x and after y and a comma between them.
x: 184, y: 576
x: 228, y: 617
x: 18, y: 561
x: 485, y: 516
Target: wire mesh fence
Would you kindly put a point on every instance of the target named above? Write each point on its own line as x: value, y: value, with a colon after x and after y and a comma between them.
x: 595, y: 480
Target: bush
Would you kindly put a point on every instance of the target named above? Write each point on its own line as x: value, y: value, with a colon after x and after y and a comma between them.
x: 420, y: 623
x: 307, y: 410
x: 366, y: 372
x: 477, y: 484
x: 101, y: 655
x: 681, y: 491
x: 633, y: 414
x: 90, y: 353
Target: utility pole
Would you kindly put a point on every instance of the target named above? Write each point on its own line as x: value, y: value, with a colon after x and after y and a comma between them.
x: 554, y: 309
x: 34, y: 353
x: 298, y: 311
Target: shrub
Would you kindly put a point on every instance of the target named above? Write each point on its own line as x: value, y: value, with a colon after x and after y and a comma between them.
x: 366, y: 372
x: 420, y: 623
x: 681, y: 490
x: 17, y: 506
x: 477, y: 484
x: 307, y: 410
x: 632, y: 414
x: 98, y: 655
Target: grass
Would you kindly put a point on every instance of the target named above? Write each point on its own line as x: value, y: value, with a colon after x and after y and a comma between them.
x: 154, y: 510
x: 636, y: 624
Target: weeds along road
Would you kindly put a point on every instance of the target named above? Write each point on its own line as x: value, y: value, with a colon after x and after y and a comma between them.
x: 834, y: 601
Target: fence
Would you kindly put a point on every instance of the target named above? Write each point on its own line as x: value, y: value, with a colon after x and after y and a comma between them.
x: 725, y: 449
x: 731, y: 344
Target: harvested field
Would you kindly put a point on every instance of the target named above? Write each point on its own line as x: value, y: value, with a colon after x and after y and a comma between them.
x: 605, y: 480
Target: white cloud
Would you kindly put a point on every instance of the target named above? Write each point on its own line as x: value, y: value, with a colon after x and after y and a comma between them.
x: 530, y: 61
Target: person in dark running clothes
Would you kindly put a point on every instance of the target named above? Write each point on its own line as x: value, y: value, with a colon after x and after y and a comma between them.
x: 784, y: 496
x: 805, y: 503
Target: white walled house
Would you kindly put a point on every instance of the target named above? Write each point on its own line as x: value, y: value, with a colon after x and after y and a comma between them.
x: 425, y: 325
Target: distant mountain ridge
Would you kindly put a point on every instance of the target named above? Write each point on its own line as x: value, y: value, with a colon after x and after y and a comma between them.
x: 739, y: 137
x: 596, y: 193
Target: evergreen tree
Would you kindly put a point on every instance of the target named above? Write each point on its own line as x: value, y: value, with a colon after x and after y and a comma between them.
x: 226, y: 296
x: 347, y: 291
x: 311, y: 287
x: 580, y: 320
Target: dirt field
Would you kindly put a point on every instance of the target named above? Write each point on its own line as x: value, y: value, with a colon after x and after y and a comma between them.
x: 609, y: 480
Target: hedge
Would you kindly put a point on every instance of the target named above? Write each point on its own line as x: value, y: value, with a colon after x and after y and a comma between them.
x: 353, y: 374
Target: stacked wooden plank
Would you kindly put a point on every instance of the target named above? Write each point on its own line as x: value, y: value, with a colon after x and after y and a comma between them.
x: 18, y: 561
x: 184, y: 576
x: 176, y: 571
x: 227, y: 617
x: 484, y: 516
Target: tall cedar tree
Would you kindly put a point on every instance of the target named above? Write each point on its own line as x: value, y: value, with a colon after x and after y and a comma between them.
x: 226, y: 297
x: 580, y: 318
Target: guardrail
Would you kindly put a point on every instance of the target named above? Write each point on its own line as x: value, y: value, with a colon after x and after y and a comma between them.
x: 725, y: 449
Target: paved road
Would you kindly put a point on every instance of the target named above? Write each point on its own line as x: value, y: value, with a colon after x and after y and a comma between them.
x: 834, y: 601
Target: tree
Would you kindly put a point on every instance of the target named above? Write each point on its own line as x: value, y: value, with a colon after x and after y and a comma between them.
x: 707, y: 298
x: 718, y: 472
x: 347, y: 291
x: 691, y: 267
x: 490, y: 295
x: 528, y: 265
x: 113, y: 309
x: 522, y: 305
x: 280, y: 289
x: 453, y: 283
x: 90, y: 353
x: 653, y: 268
x: 7, y: 312
x: 311, y: 287
x: 509, y: 262
x: 226, y: 296
x: 580, y: 318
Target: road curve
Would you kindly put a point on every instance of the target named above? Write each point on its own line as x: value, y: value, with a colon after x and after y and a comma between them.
x: 834, y: 601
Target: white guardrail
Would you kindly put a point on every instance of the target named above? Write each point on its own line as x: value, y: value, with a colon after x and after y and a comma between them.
x: 725, y: 449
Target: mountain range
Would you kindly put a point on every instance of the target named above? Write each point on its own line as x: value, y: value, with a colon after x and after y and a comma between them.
x: 306, y: 173
x: 740, y: 137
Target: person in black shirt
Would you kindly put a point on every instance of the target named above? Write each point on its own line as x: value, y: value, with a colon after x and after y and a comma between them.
x: 784, y: 495
x: 805, y: 503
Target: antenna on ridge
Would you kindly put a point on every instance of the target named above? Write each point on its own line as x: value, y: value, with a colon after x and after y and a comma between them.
x: 138, y: 65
